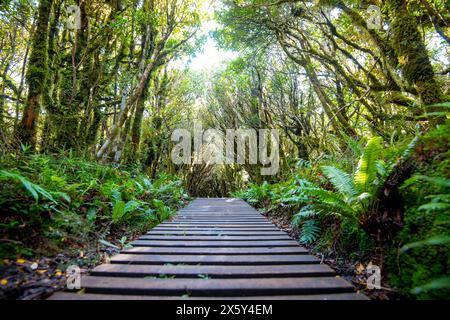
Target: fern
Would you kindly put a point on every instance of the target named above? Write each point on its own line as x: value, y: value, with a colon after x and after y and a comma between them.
x: 354, y: 145
x: 33, y: 189
x: 367, y: 170
x: 436, y: 284
x: 330, y: 202
x: 433, y: 241
x: 341, y: 181
x: 310, y: 232
x: 439, y: 181
x: 304, y: 213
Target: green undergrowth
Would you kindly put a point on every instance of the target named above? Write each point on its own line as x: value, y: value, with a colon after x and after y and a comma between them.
x: 52, y: 202
x: 334, y: 203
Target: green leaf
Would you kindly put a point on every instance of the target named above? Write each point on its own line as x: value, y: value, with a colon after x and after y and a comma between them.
x: 439, y: 181
x: 435, y: 206
x: 310, y: 232
x: 366, y: 172
x: 304, y: 213
x: 341, y: 181
x: 433, y: 241
x: 441, y: 283
x: 109, y: 244
x: 118, y: 211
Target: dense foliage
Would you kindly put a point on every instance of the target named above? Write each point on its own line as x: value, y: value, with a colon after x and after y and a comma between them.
x: 335, y: 210
x: 91, y: 92
x: 48, y: 203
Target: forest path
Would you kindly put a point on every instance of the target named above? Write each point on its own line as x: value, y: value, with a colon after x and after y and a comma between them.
x: 217, y: 248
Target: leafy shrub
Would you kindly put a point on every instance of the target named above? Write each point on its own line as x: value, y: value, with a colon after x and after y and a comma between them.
x: 70, y: 200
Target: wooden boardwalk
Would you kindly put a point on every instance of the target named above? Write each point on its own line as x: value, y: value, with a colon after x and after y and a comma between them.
x: 214, y: 249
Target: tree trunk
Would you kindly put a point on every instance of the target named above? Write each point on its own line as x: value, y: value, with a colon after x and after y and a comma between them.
x: 36, y: 74
x: 413, y: 57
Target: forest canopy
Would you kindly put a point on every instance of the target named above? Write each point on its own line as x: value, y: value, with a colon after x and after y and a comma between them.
x: 357, y: 92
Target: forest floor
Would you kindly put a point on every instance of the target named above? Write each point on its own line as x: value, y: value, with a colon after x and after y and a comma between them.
x: 38, y: 278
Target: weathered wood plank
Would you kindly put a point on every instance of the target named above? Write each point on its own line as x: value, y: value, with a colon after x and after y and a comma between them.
x: 204, y: 251
x: 213, y: 238
x: 216, y: 287
x: 215, y: 271
x: 218, y: 227
x: 93, y: 296
x: 191, y: 232
x: 214, y: 259
x: 258, y: 243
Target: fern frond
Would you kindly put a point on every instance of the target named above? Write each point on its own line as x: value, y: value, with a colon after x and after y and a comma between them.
x: 439, y: 181
x: 435, y: 206
x: 304, y: 213
x: 310, y: 232
x: 341, y: 181
x: 433, y: 241
x: 367, y: 170
x: 330, y: 202
x: 32, y: 188
x: 354, y: 145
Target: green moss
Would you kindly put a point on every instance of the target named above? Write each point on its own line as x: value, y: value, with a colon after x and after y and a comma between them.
x: 420, y: 266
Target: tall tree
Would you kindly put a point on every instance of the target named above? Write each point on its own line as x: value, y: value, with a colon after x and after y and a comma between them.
x: 36, y: 74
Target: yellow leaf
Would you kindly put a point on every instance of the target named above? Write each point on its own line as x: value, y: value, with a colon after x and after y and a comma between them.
x: 58, y: 273
x: 359, y: 268
x: 41, y: 271
x: 21, y: 261
x: 4, y: 282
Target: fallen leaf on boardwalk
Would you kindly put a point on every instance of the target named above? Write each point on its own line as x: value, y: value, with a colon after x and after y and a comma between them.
x: 20, y: 261
x: 58, y: 273
x: 41, y: 271
x: 359, y: 268
x: 4, y: 282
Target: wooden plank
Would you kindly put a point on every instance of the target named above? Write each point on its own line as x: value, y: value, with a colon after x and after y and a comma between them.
x: 93, y: 296
x: 217, y: 227
x: 214, y: 259
x: 214, y: 238
x: 212, y: 230
x: 258, y: 243
x: 216, y: 287
x: 220, y: 218
x: 202, y: 223
x: 216, y: 232
x: 218, y: 221
x: 204, y: 251
x: 213, y: 271
x: 220, y: 214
